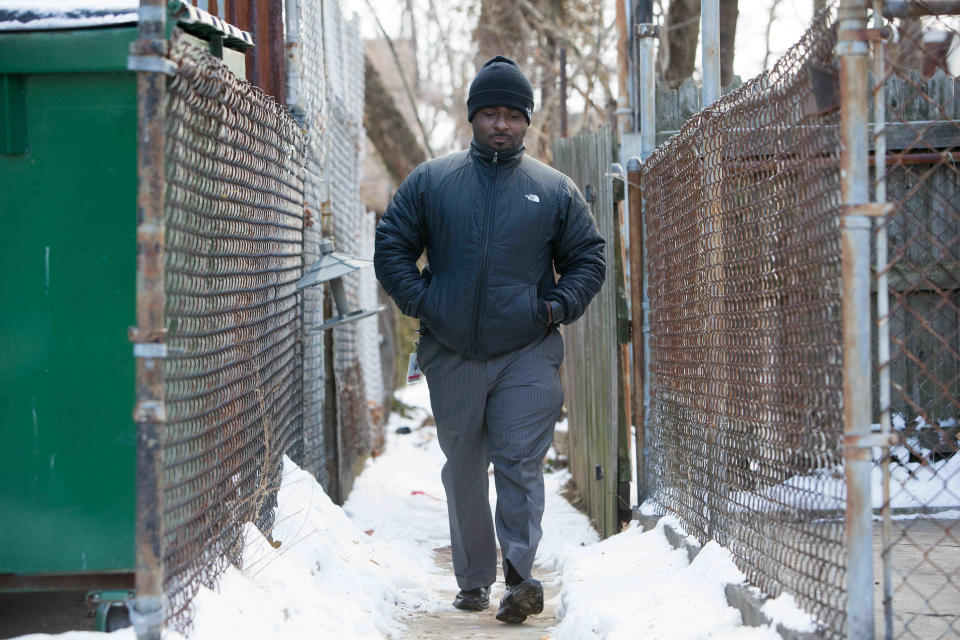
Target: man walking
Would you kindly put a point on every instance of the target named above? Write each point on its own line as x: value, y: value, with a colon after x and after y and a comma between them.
x: 496, y: 224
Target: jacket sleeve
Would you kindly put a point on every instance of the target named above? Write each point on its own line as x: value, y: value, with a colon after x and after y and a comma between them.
x: 400, y: 239
x: 578, y: 256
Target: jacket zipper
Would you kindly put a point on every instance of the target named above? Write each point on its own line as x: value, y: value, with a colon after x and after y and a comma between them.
x: 484, y: 257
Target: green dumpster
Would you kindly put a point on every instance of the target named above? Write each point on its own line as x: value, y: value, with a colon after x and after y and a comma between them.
x: 68, y: 124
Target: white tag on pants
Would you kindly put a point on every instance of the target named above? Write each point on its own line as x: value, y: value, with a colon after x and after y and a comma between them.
x: 413, y: 369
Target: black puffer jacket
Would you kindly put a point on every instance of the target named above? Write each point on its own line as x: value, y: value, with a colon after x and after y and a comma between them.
x: 495, y: 225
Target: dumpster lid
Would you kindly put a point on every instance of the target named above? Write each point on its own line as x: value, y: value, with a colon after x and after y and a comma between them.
x: 43, y: 15
x: 37, y: 15
x: 204, y: 25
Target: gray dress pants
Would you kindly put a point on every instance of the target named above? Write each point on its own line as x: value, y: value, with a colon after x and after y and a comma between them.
x: 501, y: 410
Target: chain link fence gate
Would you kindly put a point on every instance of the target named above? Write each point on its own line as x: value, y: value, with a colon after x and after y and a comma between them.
x: 743, y: 252
x: 915, y: 146
x: 238, y: 197
x: 745, y: 429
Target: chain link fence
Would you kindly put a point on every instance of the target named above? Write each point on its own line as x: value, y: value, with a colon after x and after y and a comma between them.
x: 745, y: 349
x: 250, y: 191
x: 232, y: 380
x: 745, y: 431
x: 916, y: 95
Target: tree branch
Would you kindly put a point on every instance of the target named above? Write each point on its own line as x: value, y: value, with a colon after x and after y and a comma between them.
x: 403, y: 77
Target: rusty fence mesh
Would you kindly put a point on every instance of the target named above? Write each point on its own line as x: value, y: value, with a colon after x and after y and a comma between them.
x: 917, y: 350
x: 744, y: 277
x: 233, y: 375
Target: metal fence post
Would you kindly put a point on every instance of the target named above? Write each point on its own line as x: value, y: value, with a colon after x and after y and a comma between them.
x: 150, y: 49
x: 638, y: 319
x: 713, y: 228
x: 883, y: 309
x: 710, y: 51
x: 855, y: 233
x: 646, y: 34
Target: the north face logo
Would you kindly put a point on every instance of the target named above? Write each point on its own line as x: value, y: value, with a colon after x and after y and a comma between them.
x: 532, y: 197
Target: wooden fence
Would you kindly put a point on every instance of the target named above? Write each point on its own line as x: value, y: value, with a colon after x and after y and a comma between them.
x: 594, y: 367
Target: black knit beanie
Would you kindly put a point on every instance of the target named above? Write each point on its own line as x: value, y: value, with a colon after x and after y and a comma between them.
x: 500, y: 83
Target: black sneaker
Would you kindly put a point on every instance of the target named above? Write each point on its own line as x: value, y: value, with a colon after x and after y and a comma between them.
x: 521, y: 600
x: 473, y: 599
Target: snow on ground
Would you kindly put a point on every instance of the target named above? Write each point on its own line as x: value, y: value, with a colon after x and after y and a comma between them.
x: 358, y: 572
x: 913, y: 485
x: 635, y: 585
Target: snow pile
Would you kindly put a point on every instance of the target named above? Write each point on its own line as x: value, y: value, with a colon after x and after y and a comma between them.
x: 325, y: 578
x: 912, y: 484
x: 932, y: 483
x: 635, y: 585
x: 784, y: 610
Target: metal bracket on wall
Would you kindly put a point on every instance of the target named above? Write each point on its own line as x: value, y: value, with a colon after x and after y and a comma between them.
x: 154, y: 64
x: 150, y: 350
x: 151, y: 344
x: 331, y: 267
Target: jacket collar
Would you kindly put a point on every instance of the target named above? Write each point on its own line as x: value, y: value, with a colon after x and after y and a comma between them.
x: 488, y: 156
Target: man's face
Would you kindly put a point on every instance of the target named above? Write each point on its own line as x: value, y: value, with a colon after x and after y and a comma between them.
x: 500, y: 128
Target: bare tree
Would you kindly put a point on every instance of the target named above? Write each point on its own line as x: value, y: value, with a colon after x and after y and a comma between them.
x: 453, y: 39
x: 501, y: 30
x: 387, y: 128
x: 532, y: 32
x: 771, y: 17
x: 676, y: 57
x: 729, y: 13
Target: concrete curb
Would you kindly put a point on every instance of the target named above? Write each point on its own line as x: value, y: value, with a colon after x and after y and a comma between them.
x: 746, y: 599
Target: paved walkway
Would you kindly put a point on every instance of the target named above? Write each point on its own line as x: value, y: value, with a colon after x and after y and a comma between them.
x: 463, y: 625
x: 926, y: 578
